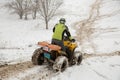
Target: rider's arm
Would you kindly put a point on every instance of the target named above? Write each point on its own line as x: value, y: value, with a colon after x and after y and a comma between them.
x: 54, y: 28
x: 67, y: 32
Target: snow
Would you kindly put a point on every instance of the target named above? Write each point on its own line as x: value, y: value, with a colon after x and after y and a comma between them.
x: 97, y: 68
x: 18, y: 40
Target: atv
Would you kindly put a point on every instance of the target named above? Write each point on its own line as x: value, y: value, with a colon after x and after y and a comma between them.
x: 58, y: 59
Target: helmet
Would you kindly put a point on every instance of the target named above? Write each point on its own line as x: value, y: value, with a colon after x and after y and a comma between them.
x: 62, y: 20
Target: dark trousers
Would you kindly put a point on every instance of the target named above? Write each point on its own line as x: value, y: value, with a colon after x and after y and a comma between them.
x: 65, y: 49
x: 60, y: 43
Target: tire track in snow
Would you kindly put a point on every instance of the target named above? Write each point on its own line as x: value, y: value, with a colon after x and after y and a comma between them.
x: 101, y: 75
x: 86, y: 28
x: 35, y: 73
x: 25, y: 71
x: 100, y: 55
x: 11, y: 70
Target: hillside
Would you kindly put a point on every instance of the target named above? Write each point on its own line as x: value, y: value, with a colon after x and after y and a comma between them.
x: 18, y: 40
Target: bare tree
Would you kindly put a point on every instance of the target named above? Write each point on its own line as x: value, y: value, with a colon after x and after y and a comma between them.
x: 17, y: 7
x: 27, y: 7
x: 48, y: 8
x: 20, y: 7
x: 35, y: 6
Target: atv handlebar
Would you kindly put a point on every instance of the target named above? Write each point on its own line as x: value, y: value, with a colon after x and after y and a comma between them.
x: 68, y: 39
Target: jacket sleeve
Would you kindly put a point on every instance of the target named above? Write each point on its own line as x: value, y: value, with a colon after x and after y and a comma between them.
x: 54, y: 28
x: 67, y: 32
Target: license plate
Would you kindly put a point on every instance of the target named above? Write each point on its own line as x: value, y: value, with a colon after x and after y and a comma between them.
x: 46, y: 48
x: 47, y: 55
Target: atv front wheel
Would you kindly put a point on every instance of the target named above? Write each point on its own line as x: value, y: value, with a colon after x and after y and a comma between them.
x: 78, y: 57
x: 37, y: 58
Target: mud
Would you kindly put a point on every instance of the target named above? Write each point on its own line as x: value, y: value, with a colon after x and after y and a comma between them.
x: 10, y: 70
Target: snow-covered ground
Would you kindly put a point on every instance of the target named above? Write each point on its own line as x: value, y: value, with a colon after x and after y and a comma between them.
x: 18, y: 39
x: 98, y: 68
x: 94, y: 68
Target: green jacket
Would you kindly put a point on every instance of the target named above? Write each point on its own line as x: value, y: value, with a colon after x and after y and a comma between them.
x: 59, y: 31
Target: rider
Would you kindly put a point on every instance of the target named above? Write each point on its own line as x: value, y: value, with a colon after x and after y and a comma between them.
x: 59, y: 31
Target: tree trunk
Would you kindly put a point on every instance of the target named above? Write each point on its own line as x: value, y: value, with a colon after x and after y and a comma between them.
x: 21, y: 15
x: 34, y: 14
x: 46, y: 22
x: 26, y: 16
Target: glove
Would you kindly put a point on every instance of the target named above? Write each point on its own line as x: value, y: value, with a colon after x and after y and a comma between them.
x: 73, y: 40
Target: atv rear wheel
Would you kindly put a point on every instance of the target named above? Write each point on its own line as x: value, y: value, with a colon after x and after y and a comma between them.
x: 61, y: 63
x: 37, y: 57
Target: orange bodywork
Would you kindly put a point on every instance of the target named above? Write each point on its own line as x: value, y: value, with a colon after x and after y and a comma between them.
x: 51, y: 46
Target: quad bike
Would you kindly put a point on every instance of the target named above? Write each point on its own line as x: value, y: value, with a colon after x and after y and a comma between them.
x: 58, y: 59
